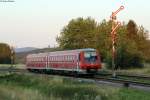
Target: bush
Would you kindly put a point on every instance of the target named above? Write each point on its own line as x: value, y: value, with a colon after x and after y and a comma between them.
x: 125, y: 60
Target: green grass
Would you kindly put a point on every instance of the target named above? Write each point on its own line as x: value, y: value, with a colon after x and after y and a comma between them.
x: 137, y: 71
x: 132, y: 71
x: 14, y: 66
x: 131, y: 94
x: 41, y: 87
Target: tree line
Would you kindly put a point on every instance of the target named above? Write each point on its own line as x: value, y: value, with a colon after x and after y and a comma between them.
x: 133, y: 46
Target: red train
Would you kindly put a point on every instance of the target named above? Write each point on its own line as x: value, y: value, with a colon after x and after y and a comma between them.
x: 81, y: 61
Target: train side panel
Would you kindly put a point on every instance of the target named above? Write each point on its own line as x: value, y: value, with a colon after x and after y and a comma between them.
x: 80, y: 61
x: 66, y: 61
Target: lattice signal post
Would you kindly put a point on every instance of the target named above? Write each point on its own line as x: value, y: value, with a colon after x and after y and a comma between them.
x: 115, y: 26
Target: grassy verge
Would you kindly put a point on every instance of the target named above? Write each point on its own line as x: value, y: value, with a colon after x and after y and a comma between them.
x: 33, y: 87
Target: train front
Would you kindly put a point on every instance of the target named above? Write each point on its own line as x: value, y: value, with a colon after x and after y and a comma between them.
x: 90, y: 61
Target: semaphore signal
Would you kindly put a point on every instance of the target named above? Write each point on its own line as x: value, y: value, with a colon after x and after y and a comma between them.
x: 115, y: 26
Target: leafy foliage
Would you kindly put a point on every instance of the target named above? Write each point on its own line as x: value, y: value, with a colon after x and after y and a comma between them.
x: 5, y: 54
x: 78, y: 33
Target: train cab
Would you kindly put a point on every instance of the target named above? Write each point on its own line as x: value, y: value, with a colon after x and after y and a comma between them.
x: 90, y: 60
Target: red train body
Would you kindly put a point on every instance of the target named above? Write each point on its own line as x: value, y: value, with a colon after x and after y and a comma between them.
x: 80, y: 61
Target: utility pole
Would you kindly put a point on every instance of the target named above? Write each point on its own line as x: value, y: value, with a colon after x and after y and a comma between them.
x: 12, y: 56
x: 115, y: 25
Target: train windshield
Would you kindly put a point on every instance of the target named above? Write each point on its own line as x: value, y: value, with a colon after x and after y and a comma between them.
x: 90, y: 57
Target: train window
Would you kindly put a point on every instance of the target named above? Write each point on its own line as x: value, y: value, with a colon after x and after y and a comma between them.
x: 59, y: 58
x: 56, y: 58
x: 50, y: 58
x: 67, y: 58
x: 90, y: 57
x: 64, y: 58
x: 73, y: 58
x: 70, y: 58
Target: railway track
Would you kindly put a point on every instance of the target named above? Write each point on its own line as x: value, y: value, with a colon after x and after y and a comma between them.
x: 126, y: 83
x: 125, y: 75
x: 101, y: 78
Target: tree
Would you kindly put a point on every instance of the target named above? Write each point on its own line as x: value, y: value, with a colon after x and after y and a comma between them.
x: 103, y: 38
x: 5, y: 54
x: 139, y: 36
x: 78, y: 33
x: 132, y: 30
x: 143, y: 43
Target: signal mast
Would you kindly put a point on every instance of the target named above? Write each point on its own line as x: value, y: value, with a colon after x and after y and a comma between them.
x: 115, y: 26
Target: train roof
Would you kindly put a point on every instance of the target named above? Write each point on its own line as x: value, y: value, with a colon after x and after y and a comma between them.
x: 64, y: 52
x: 76, y: 50
x: 86, y: 49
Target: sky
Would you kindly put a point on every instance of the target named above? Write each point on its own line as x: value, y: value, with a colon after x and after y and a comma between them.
x: 37, y: 23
